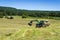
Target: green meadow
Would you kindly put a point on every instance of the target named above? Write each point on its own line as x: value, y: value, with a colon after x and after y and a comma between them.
x: 18, y: 29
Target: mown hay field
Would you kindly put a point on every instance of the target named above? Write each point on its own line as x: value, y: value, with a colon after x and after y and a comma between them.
x: 18, y: 29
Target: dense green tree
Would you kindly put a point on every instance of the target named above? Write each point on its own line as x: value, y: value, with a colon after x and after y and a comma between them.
x: 1, y: 14
x: 10, y: 11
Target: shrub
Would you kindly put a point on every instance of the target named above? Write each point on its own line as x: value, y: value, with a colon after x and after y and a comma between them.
x: 23, y: 16
x: 57, y: 18
x: 51, y: 17
x: 1, y: 16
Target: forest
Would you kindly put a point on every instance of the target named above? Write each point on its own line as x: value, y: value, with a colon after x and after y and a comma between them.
x: 10, y: 11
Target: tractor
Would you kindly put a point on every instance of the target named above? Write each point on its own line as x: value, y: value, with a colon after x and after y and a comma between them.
x: 40, y: 23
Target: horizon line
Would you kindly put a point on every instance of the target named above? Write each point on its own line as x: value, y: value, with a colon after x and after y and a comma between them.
x: 30, y: 9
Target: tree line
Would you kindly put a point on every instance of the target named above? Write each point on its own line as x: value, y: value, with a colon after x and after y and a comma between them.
x: 10, y: 11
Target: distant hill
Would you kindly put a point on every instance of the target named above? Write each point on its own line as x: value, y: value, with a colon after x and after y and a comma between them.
x: 32, y: 13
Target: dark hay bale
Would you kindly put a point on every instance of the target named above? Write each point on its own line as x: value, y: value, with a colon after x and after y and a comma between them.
x: 9, y: 34
x: 11, y: 17
x: 30, y: 24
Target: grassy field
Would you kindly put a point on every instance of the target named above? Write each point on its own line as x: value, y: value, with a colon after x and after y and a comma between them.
x: 18, y: 29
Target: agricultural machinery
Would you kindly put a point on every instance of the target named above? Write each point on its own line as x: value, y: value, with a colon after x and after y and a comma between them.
x: 40, y: 23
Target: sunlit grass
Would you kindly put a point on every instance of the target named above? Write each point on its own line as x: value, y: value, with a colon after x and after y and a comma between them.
x: 20, y: 30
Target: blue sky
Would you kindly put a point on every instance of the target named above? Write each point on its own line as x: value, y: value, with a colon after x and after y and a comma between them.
x: 32, y: 4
